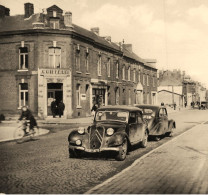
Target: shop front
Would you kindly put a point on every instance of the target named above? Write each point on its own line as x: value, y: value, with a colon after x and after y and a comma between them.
x: 54, y: 84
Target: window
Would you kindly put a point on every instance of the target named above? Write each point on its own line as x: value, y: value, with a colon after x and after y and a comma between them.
x: 108, y: 67
x: 132, y: 117
x: 23, y: 58
x: 123, y: 73
x: 117, y: 70
x: 144, y: 79
x: 54, y: 24
x: 139, y: 76
x: 134, y: 75
x: 129, y: 97
x: 87, y: 62
x: 147, y: 80
x: 129, y: 73
x: 78, y: 94
x: 55, y: 57
x: 153, y: 81
x: 23, y: 94
x: 99, y: 66
x: 54, y: 14
x: 77, y: 60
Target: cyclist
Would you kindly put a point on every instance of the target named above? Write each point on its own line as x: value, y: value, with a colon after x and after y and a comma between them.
x: 27, y: 115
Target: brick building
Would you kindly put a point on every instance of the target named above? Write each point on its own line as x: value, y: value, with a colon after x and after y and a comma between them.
x: 46, y: 56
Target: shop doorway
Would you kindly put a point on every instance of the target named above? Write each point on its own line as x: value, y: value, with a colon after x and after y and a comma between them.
x: 54, y: 91
x: 98, y: 97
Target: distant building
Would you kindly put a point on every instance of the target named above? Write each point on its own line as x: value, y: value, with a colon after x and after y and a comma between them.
x: 46, y: 56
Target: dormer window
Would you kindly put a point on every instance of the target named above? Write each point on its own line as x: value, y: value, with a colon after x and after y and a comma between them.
x: 54, y: 14
x: 23, y: 58
x: 54, y: 24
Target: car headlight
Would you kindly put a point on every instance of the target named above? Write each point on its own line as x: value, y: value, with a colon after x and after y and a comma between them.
x: 110, y: 131
x: 81, y: 130
x: 78, y: 142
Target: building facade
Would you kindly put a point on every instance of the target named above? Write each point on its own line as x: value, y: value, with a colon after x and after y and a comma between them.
x: 45, y: 56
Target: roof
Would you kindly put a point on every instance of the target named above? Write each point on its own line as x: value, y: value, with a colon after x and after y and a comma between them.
x: 170, y: 92
x: 120, y: 107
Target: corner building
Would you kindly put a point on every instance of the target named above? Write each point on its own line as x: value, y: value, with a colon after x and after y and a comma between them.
x: 46, y: 56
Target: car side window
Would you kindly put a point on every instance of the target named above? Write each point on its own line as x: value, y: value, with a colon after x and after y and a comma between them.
x: 165, y: 112
x: 161, y: 112
x: 132, y: 117
x: 139, y: 118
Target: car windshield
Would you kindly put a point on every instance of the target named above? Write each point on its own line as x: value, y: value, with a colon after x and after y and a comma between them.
x: 148, y: 113
x: 112, y: 116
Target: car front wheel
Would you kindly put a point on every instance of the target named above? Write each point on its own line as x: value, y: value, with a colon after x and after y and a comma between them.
x: 122, y: 151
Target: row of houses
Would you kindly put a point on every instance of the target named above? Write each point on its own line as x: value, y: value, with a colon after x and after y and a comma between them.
x: 177, y: 87
x: 45, y: 56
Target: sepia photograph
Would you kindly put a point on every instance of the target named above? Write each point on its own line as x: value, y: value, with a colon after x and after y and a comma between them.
x: 104, y: 97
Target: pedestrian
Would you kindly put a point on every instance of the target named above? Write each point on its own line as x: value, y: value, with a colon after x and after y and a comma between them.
x: 162, y: 103
x: 61, y: 108
x: 53, y: 108
x: 94, y: 108
x: 27, y: 115
x: 174, y: 105
x: 185, y: 104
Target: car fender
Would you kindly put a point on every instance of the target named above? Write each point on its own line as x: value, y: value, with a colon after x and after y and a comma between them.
x: 74, y: 135
x: 171, y: 124
x: 117, y: 139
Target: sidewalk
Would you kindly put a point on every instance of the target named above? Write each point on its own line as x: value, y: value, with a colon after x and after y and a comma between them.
x: 179, y: 166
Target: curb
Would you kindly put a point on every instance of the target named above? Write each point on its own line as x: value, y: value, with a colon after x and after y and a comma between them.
x: 92, y: 190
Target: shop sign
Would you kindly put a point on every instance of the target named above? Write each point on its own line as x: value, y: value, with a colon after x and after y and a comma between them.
x: 83, y: 96
x: 54, y: 72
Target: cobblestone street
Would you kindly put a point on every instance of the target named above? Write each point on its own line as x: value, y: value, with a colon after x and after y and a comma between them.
x: 43, y: 166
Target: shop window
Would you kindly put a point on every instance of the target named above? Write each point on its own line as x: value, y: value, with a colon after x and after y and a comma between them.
x: 99, y: 66
x: 123, y: 73
x: 108, y: 67
x: 78, y: 94
x: 23, y: 58
x: 55, y: 57
x: 117, y: 70
x: 129, y: 73
x: 23, y: 94
x: 54, y: 24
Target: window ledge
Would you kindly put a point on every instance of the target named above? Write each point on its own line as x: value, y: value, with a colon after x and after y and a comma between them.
x: 22, y: 70
x: 78, y: 72
x: 87, y: 73
x: 79, y: 107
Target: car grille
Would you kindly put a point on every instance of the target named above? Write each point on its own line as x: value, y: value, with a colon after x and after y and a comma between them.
x: 96, y: 137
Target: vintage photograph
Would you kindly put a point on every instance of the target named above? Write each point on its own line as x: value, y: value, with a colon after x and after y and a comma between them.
x: 104, y: 97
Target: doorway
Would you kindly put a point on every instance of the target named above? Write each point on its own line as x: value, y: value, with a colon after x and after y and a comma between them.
x: 54, y: 91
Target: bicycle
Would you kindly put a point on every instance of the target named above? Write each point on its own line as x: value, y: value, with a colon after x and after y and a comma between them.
x: 20, y: 135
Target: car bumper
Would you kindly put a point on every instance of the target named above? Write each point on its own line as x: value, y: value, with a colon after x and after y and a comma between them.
x: 94, y: 150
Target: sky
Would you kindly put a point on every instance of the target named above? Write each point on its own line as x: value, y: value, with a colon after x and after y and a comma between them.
x: 174, y: 32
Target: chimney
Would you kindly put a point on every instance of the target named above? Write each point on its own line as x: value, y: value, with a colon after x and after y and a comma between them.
x: 95, y: 30
x: 128, y: 47
x: 68, y: 19
x: 4, y: 11
x: 29, y: 10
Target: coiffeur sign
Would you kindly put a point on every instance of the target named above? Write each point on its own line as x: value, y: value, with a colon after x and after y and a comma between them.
x: 54, y: 72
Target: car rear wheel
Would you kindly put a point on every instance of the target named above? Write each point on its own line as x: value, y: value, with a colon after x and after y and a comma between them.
x: 122, y: 151
x: 144, y: 141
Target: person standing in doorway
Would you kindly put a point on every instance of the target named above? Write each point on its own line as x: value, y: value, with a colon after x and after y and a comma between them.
x: 53, y: 108
x: 61, y: 108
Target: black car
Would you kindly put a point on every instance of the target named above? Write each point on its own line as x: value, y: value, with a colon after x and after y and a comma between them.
x: 115, y: 128
x: 157, y: 119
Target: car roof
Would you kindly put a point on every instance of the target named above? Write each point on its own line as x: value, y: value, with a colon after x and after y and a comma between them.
x: 120, y: 107
x: 148, y: 106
